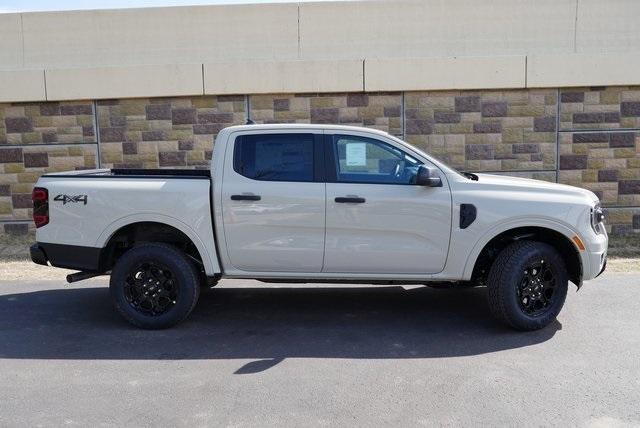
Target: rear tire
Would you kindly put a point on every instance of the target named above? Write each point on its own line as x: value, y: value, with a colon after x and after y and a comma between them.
x: 154, y: 286
x: 527, y: 285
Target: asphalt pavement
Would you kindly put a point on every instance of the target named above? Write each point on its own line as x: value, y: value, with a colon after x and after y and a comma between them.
x: 256, y: 355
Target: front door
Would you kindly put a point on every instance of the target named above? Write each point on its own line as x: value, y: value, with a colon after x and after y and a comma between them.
x: 273, y: 202
x: 378, y: 220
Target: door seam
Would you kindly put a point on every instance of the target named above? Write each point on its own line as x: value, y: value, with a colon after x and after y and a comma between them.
x: 324, y: 175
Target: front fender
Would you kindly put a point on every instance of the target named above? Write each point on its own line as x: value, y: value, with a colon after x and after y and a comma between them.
x: 568, y: 231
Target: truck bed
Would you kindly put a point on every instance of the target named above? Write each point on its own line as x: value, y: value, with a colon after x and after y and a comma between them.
x: 87, y: 208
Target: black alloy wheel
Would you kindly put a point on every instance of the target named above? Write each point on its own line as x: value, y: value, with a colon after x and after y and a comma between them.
x: 536, y: 290
x: 151, y: 289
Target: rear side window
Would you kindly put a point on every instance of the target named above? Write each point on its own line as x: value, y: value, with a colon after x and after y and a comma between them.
x: 274, y: 157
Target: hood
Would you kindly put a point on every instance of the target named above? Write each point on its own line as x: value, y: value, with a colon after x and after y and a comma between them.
x: 506, y: 182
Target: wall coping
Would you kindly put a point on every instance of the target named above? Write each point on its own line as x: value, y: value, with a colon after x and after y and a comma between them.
x: 311, y: 76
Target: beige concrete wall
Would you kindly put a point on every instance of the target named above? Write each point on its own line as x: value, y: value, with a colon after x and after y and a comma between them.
x: 23, y: 85
x: 170, y: 35
x: 445, y: 73
x: 259, y: 77
x: 321, y: 30
x: 124, y: 82
x: 312, y: 76
x: 583, y: 70
x: 607, y: 26
x: 317, y: 47
x: 10, y: 41
x: 396, y: 29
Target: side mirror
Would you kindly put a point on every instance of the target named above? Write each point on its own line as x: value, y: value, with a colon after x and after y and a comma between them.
x: 428, y: 177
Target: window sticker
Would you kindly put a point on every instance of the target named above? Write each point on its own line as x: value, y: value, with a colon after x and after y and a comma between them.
x: 356, y: 154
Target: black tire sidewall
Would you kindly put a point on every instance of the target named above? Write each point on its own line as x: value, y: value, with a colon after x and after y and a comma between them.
x: 511, y: 277
x: 182, y: 270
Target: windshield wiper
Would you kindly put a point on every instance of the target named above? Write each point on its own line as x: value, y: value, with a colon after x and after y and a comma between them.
x: 469, y: 175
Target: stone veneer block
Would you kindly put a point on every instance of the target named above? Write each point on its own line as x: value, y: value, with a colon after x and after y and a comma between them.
x: 158, y: 111
x: 171, y: 159
x: 18, y: 125
x: 32, y: 160
x: 494, y: 109
x: 10, y: 155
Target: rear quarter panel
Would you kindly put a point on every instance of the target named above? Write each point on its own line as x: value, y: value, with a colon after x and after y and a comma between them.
x: 113, y: 203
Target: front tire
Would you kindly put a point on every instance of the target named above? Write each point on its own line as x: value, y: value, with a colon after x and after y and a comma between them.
x: 154, y: 286
x: 527, y: 285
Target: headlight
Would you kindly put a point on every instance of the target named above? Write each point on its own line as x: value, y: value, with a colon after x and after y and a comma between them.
x: 597, y: 219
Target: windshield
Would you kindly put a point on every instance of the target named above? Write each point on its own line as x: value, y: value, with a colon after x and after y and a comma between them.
x: 446, y: 168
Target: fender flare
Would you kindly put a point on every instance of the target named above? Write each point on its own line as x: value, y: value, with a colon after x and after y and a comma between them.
x: 210, y: 261
x: 546, y: 223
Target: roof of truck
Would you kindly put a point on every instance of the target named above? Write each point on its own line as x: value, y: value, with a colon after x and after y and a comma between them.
x: 315, y: 126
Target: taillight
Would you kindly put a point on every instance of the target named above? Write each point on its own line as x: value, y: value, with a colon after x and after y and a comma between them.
x: 40, y: 198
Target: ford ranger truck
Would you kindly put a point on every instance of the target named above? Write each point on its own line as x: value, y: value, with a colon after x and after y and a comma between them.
x: 318, y: 203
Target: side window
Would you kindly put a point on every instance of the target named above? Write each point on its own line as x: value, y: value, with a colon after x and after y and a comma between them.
x: 274, y: 157
x: 366, y: 160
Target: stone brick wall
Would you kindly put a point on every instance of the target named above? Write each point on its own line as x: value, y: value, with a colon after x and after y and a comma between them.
x: 588, y: 137
x: 377, y: 110
x: 485, y: 131
x: 615, y: 107
x: 600, y: 149
x: 606, y: 163
x: 38, y: 138
x: 158, y: 133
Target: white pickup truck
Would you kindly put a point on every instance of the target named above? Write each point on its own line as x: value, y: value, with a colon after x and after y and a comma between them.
x: 318, y: 203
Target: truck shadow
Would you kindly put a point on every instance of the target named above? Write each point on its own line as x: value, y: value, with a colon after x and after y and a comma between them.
x: 264, y: 324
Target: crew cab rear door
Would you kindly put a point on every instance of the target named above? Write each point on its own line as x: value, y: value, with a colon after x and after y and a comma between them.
x: 273, y: 201
x: 377, y: 220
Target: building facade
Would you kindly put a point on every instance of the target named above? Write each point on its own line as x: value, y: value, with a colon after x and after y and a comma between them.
x: 503, y: 87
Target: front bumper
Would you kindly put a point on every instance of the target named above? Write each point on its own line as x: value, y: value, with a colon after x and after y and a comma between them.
x: 604, y: 266
x: 595, y: 256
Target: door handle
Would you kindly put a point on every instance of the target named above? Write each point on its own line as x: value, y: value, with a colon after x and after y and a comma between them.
x: 350, y: 200
x: 245, y: 197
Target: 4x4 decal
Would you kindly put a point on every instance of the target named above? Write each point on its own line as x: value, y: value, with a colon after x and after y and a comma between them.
x: 64, y: 199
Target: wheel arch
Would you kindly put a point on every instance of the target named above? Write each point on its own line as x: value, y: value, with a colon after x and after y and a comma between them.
x: 122, y: 234
x: 556, y: 235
